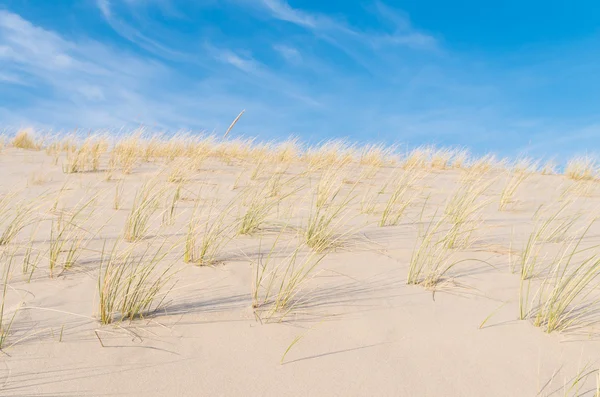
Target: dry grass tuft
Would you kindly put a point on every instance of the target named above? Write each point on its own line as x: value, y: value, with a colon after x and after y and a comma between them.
x: 6, y: 319
x: 514, y: 180
x: 463, y: 212
x: 145, y: 204
x: 85, y: 158
x: 432, y: 260
x: 399, y: 200
x: 133, y: 283
x: 563, y: 300
x: 582, y: 168
x: 260, y: 204
x: 214, y: 233
x: 325, y: 222
x: 377, y: 155
x: 277, y: 286
x: 25, y: 140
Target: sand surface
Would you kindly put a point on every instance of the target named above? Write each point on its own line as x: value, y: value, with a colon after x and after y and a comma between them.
x: 364, y: 331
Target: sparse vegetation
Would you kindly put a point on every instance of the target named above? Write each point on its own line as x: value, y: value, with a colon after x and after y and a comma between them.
x: 25, y: 140
x: 582, y: 168
x: 311, y: 201
x: 130, y: 283
x: 145, y: 205
x: 277, y: 285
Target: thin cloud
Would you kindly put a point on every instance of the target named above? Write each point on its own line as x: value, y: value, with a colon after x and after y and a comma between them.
x: 328, y: 28
x: 290, y: 54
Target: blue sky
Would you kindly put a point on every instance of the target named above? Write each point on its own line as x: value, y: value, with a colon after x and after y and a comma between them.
x: 513, y: 78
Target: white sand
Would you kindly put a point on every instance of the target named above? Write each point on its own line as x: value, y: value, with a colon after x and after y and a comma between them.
x: 366, y: 333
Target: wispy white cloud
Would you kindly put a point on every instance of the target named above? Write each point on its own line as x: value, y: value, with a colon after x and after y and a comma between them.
x: 290, y: 54
x: 247, y: 65
x: 404, y: 34
x: 128, y: 32
x: 82, y: 82
x: 281, y: 10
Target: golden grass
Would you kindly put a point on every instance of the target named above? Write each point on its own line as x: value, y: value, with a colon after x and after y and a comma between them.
x: 582, y: 168
x: 399, y: 200
x: 214, y: 232
x: 24, y: 139
x: 329, y: 154
x: 377, y: 155
x: 67, y: 236
x: 463, y: 212
x: 441, y: 159
x: 260, y: 203
x: 325, y: 225
x: 6, y: 319
x: 432, y: 259
x: 15, y: 215
x: 86, y: 157
x: 563, y: 300
x: 418, y: 158
x: 514, y: 180
x: 277, y: 286
x: 145, y: 204
x: 555, y: 227
x: 130, y: 283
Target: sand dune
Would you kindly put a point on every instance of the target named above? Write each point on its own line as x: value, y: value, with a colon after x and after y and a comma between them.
x: 193, y: 267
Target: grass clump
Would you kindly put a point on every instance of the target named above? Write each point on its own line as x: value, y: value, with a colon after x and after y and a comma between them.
x: 377, y: 155
x: 145, y: 205
x: 67, y: 237
x: 260, y: 203
x: 462, y: 211
x: 277, y: 287
x: 431, y: 259
x: 323, y: 229
x: 15, y: 215
x: 127, y: 153
x: 25, y: 140
x: 515, y: 179
x: 214, y: 233
x: 555, y: 228
x: 581, y: 168
x: 6, y: 320
x: 131, y: 284
x: 563, y: 299
x: 85, y: 158
x: 399, y: 200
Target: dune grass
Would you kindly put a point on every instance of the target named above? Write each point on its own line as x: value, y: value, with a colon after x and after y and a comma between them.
x: 134, y: 278
x: 133, y: 283
x: 463, y: 212
x: 260, y: 203
x: 514, y: 180
x: 145, y: 204
x: 15, y: 215
x: 85, y: 157
x: 214, y: 232
x: 554, y: 228
x: 277, y: 285
x: 565, y: 299
x: 67, y: 236
x: 431, y: 259
x: 119, y: 186
x: 6, y: 319
x: 323, y: 230
x: 399, y: 200
x: 582, y: 168
x: 24, y: 140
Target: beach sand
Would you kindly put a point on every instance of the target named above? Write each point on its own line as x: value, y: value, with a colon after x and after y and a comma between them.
x: 356, y: 328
